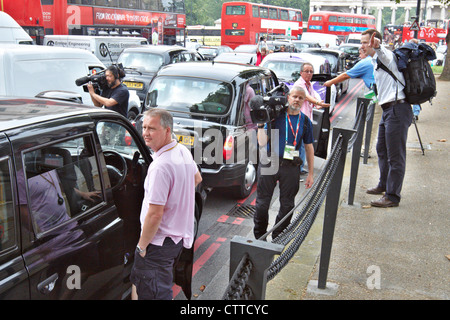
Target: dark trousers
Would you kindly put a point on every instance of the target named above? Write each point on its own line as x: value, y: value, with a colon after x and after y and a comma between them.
x: 153, y: 274
x: 391, y: 148
x: 289, y: 182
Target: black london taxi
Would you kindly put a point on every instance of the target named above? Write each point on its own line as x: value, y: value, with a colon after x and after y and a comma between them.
x: 211, y: 109
x: 142, y: 62
x: 71, y: 189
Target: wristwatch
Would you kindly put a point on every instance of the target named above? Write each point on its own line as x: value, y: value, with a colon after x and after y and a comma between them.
x: 139, y: 250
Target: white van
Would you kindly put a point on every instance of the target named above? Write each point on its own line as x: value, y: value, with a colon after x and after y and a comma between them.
x: 107, y: 49
x: 354, y: 38
x: 322, y: 38
x: 11, y: 31
x: 31, y: 70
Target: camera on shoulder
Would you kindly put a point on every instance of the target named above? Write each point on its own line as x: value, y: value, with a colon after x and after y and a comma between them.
x: 267, y: 108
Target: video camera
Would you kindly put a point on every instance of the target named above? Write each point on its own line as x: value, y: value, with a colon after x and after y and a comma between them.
x: 99, y: 79
x: 268, y: 108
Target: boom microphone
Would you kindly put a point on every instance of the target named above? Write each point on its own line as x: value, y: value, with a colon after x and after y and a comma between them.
x: 81, y: 81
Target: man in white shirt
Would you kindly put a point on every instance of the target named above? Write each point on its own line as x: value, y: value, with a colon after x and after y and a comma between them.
x: 394, y: 123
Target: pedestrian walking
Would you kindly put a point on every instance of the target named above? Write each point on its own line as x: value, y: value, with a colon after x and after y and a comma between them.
x: 167, y: 214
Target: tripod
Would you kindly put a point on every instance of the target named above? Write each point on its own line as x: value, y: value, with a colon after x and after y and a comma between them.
x: 418, y: 135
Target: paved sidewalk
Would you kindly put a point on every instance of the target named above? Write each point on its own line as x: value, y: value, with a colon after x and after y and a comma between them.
x: 398, y: 253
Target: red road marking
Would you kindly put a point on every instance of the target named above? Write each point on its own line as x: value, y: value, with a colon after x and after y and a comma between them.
x: 343, y: 104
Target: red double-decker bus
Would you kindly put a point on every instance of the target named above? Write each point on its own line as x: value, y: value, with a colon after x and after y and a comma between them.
x: 435, y: 31
x: 106, y: 17
x: 246, y: 22
x: 28, y: 14
x: 340, y: 23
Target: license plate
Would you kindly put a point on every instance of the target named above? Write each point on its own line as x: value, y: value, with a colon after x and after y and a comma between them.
x: 186, y: 140
x: 134, y: 85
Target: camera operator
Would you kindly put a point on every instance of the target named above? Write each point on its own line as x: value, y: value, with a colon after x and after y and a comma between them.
x: 115, y: 95
x: 294, y: 129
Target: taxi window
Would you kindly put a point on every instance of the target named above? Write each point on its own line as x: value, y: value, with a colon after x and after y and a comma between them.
x: 7, y: 222
x: 62, y: 181
x: 191, y: 95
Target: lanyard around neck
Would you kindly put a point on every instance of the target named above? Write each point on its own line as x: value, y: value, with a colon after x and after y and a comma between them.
x: 292, y: 129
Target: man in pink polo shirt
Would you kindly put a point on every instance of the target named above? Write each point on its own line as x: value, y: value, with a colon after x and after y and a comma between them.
x: 312, y: 99
x: 167, y: 214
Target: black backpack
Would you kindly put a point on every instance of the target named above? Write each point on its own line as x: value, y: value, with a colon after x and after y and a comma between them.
x: 412, y: 61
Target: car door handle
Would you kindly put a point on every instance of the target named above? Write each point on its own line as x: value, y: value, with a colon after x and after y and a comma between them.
x: 48, y: 284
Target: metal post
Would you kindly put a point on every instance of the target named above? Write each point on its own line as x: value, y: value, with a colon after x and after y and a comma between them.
x: 416, y: 33
x: 370, y: 116
x: 261, y: 253
x: 332, y: 203
x: 361, y: 104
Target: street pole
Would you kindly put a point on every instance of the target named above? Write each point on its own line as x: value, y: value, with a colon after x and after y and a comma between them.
x: 416, y: 33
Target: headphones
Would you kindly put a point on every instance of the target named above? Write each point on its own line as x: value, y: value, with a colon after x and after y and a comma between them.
x: 114, y: 70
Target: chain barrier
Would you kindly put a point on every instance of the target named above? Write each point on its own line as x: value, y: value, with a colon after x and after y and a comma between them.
x: 298, y: 229
x: 294, y: 234
x: 237, y: 288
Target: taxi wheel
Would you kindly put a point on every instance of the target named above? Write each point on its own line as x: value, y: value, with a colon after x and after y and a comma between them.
x: 243, y: 190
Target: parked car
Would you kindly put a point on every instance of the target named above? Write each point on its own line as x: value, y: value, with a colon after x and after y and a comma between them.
x: 236, y: 57
x: 29, y: 71
x: 275, y: 46
x: 352, y: 51
x: 323, y: 39
x: 246, y: 48
x: 300, y: 45
x: 337, y: 60
x: 287, y: 65
x: 141, y: 64
x: 211, y: 118
x: 55, y: 242
x: 210, y: 52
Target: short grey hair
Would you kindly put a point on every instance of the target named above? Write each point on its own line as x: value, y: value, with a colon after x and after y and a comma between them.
x: 165, y: 117
x: 306, y: 64
x: 297, y: 88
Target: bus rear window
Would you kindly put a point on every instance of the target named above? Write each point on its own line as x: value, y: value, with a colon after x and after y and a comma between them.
x: 236, y: 10
x: 234, y: 32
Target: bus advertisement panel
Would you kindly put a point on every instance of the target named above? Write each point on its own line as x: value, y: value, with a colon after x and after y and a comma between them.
x: 340, y: 23
x: 99, y: 18
x: 246, y: 22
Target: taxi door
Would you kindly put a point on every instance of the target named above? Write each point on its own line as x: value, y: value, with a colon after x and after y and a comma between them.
x: 13, y: 275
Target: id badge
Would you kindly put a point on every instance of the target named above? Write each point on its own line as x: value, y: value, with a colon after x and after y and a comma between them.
x: 290, y: 152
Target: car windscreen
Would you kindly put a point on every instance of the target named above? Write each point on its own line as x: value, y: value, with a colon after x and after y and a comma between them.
x: 142, y: 61
x: 208, y: 51
x: 191, y: 95
x: 332, y: 59
x: 285, y: 70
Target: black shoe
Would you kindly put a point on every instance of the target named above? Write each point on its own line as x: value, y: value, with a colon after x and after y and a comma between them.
x: 383, y: 202
x: 376, y: 190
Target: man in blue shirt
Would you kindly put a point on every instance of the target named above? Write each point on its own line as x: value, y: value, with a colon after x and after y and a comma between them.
x: 293, y: 129
x: 362, y: 69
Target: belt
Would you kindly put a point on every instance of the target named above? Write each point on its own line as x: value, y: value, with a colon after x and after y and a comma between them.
x: 387, y: 105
